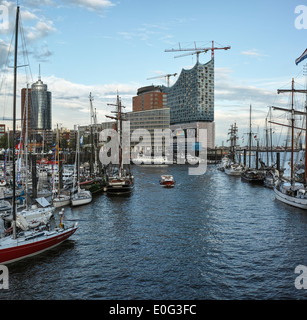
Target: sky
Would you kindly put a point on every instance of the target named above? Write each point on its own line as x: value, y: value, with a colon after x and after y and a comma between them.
x: 107, y: 47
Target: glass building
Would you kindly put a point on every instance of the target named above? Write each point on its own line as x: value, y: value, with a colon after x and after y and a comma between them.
x: 191, y: 98
x: 191, y: 101
x: 40, y: 106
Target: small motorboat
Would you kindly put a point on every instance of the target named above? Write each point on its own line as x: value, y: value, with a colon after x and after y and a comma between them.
x: 167, y: 181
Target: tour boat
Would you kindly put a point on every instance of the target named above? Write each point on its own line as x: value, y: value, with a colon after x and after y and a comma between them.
x: 167, y: 181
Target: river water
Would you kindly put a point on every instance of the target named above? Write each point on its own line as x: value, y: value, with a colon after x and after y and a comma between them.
x: 210, y: 237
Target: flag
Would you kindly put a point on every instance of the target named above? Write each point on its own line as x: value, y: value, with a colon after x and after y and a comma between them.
x: 301, y: 58
x: 81, y: 141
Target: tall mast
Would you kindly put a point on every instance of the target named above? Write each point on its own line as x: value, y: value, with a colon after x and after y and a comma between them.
x: 292, y: 131
x: 306, y: 126
x: 250, y: 134
x: 14, y: 123
x: 293, y: 112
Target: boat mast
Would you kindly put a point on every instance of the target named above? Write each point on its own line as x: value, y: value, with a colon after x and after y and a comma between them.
x: 250, y: 134
x: 14, y: 123
x: 293, y: 112
x: 306, y: 126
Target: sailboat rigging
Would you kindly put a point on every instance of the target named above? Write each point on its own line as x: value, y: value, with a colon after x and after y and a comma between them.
x: 24, y: 243
x: 292, y: 192
x: 120, y: 180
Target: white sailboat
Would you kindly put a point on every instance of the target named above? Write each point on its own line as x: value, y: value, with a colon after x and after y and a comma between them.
x: 82, y: 196
x: 59, y: 199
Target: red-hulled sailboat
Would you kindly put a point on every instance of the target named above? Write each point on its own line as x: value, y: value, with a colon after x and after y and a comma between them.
x: 24, y: 243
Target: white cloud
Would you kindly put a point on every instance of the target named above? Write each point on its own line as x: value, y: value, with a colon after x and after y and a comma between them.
x: 92, y: 5
x: 40, y: 30
x: 253, y: 53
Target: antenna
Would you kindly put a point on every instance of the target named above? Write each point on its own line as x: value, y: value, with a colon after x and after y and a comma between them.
x: 39, y: 72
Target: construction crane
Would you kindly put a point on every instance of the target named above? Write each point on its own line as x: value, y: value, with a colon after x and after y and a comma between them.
x: 197, y: 50
x: 164, y: 76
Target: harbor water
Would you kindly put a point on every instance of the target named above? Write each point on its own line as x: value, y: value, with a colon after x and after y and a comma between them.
x: 210, y: 237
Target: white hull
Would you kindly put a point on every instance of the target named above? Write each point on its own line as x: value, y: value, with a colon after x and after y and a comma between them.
x: 292, y: 201
x: 61, y: 202
x: 231, y: 172
x: 79, y: 199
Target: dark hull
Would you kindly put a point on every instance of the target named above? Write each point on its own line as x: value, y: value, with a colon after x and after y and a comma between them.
x: 250, y: 178
x: 122, y: 190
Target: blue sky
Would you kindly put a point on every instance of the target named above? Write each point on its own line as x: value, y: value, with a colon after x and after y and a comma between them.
x: 105, y: 46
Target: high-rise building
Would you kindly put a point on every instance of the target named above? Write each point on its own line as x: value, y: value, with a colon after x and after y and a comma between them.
x: 36, y: 114
x: 40, y: 106
x: 191, y: 100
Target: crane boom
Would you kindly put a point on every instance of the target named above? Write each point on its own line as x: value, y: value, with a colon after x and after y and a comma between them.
x: 164, y: 76
x: 199, y: 49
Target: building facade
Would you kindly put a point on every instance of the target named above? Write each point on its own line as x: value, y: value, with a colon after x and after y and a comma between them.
x: 2, y: 130
x: 154, y: 121
x: 36, y: 115
x: 149, y: 98
x: 191, y: 100
x: 40, y: 107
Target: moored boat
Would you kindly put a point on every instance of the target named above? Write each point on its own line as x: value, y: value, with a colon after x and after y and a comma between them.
x: 20, y: 244
x: 81, y: 197
x: 253, y: 176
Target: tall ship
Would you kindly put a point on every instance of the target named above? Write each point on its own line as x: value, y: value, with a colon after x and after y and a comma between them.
x: 288, y: 190
x: 119, y: 177
x: 252, y: 175
x: 232, y: 168
x: 94, y: 182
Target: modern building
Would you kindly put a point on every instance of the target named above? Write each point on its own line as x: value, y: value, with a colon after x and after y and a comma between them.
x: 191, y: 101
x: 149, y: 98
x: 40, y: 106
x: 36, y: 114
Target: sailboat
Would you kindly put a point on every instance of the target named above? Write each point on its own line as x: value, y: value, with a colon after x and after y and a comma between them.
x: 59, y: 199
x: 120, y: 180
x: 252, y: 175
x: 292, y: 192
x: 95, y: 183
x: 82, y: 196
x: 21, y: 244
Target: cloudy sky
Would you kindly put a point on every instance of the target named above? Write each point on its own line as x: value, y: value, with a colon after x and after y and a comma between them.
x: 110, y: 46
